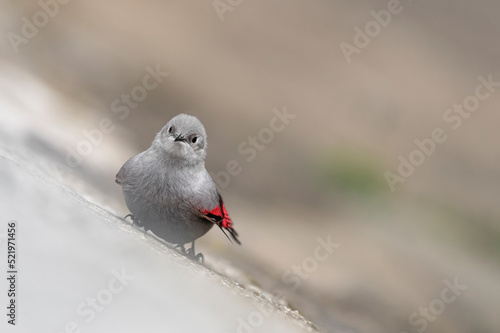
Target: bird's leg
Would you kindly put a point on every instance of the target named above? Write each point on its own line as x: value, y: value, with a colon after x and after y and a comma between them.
x: 191, y: 253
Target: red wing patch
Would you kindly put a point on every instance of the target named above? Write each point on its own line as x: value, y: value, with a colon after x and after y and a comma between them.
x: 225, y: 222
x: 219, y: 216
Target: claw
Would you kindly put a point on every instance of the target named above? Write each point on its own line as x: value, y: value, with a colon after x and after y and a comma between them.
x: 181, y: 248
x: 135, y: 220
x: 191, y: 254
x: 200, y: 258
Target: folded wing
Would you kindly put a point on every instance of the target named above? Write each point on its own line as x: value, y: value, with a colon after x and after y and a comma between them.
x: 220, y: 217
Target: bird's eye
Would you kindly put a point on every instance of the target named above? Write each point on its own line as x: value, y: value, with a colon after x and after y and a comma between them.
x: 194, y: 139
x: 170, y: 129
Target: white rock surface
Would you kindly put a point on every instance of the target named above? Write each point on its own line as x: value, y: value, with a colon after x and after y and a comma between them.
x: 70, y: 252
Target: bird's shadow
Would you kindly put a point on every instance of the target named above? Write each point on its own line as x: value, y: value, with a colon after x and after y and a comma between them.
x: 189, y: 253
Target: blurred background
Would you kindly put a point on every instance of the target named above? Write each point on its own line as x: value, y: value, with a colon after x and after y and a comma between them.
x: 360, y: 82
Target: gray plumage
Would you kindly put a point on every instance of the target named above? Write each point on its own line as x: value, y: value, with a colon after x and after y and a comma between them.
x: 167, y: 188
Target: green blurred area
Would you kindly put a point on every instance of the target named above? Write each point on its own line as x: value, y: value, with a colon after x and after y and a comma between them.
x: 346, y: 172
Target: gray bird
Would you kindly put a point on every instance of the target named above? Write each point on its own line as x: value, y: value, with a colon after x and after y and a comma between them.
x: 169, y: 191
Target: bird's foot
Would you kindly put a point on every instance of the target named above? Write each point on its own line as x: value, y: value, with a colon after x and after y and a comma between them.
x: 181, y: 248
x: 135, y: 220
x: 195, y: 257
x: 191, y: 253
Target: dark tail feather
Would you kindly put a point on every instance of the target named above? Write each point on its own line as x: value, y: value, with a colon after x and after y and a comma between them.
x: 225, y: 233
x: 233, y: 233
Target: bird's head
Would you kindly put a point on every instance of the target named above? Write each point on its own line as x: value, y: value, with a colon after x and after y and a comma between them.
x: 183, y: 139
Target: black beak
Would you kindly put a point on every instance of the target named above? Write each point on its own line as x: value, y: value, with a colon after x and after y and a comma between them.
x: 180, y: 138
